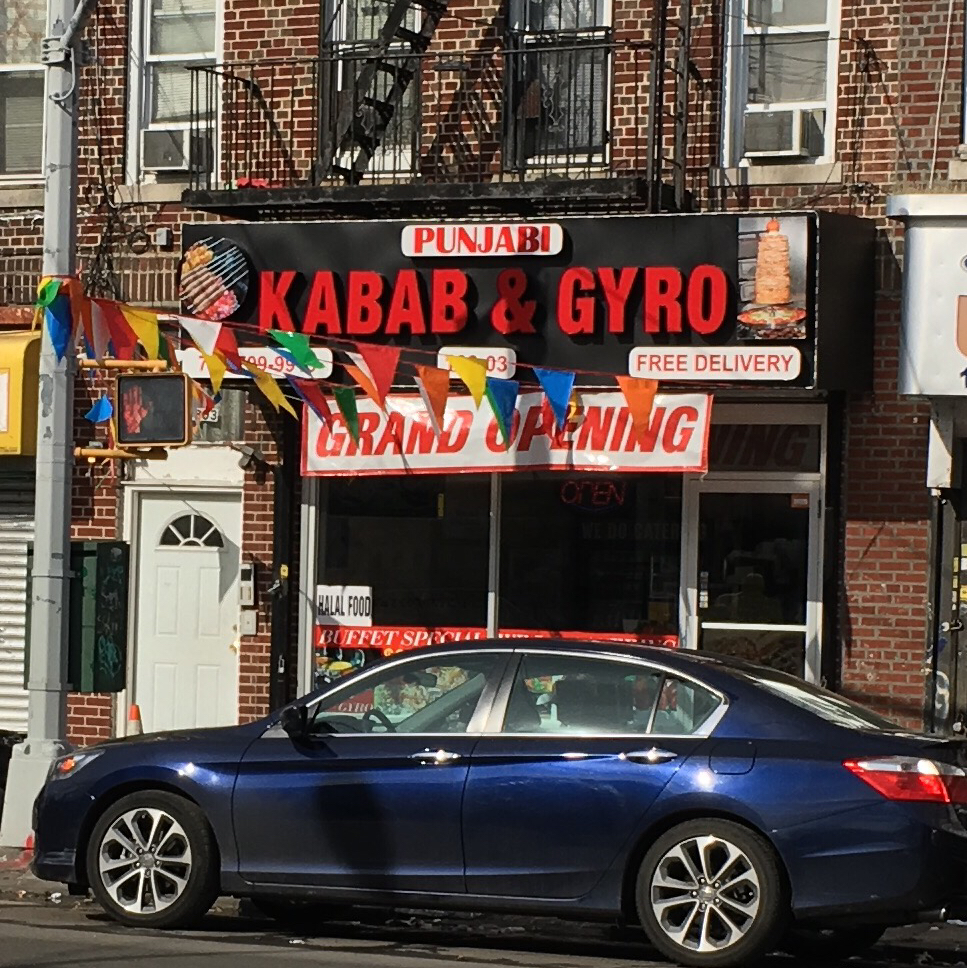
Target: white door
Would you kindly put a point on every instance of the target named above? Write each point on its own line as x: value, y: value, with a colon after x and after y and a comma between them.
x: 752, y: 571
x: 186, y: 641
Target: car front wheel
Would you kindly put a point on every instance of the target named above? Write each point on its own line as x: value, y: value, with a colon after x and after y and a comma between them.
x: 710, y: 894
x: 152, y: 861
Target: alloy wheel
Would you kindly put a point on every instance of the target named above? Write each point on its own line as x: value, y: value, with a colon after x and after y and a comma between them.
x: 705, y: 893
x: 144, y: 860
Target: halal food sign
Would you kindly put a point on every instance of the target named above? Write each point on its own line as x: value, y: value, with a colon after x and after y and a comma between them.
x: 575, y: 294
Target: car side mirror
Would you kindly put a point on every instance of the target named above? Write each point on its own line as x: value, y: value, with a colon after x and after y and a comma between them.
x: 295, y: 721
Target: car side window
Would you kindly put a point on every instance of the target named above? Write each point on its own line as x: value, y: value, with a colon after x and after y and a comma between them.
x: 437, y: 694
x: 559, y: 694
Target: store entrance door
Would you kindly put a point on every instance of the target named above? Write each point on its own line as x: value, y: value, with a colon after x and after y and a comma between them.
x: 752, y: 571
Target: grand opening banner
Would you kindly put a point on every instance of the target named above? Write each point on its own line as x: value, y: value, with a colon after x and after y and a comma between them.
x: 598, y: 437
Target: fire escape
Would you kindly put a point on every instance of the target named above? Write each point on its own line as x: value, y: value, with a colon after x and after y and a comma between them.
x: 467, y: 119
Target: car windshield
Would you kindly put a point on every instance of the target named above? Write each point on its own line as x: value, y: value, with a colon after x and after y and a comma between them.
x: 828, y: 705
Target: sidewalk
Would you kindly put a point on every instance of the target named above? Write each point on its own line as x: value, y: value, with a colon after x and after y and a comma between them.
x: 918, y: 944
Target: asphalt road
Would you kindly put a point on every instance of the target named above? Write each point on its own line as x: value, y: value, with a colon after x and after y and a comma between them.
x: 39, y: 934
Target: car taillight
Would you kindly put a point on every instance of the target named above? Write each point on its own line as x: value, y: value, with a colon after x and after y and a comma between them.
x: 912, y: 778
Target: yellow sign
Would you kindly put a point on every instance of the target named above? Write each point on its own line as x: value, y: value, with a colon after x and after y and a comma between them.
x: 19, y: 375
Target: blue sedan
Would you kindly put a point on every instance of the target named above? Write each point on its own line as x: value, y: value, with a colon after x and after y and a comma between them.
x: 727, y: 809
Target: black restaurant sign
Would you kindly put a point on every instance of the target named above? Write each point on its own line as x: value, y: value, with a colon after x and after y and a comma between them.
x: 780, y: 299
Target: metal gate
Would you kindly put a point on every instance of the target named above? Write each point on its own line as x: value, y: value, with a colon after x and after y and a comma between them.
x: 16, y: 530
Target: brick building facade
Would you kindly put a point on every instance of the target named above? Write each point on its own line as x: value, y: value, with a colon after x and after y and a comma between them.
x: 891, y: 122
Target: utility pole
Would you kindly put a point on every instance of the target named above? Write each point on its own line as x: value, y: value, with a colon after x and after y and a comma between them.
x: 50, y: 580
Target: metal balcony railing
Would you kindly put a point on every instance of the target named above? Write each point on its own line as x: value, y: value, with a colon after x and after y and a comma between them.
x: 525, y: 110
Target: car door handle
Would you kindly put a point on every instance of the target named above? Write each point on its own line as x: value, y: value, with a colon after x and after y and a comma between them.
x: 654, y: 755
x: 435, y: 757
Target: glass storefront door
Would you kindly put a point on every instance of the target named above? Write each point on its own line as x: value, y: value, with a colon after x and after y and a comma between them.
x: 751, y: 571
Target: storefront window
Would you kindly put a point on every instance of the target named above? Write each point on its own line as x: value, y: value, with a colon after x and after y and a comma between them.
x: 594, y: 553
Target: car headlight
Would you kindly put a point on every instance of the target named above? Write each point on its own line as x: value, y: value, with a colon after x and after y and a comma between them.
x: 68, y: 765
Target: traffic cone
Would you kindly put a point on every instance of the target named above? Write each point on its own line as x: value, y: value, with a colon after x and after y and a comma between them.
x: 134, y: 721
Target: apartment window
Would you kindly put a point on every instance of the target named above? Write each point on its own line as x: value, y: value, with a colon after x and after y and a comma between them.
x: 382, y: 103
x: 558, y: 77
x: 177, y: 35
x: 782, y: 62
x: 23, y: 24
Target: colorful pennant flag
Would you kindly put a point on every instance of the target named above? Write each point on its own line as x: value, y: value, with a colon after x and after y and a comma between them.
x: 80, y: 307
x: 557, y: 386
x: 100, y: 334
x: 365, y: 383
x: 473, y: 372
x: 434, y: 386
x: 216, y: 370
x: 227, y: 345
x: 204, y: 403
x: 380, y: 364
x: 47, y: 292
x: 270, y: 388
x: 313, y: 397
x: 296, y: 346
x: 502, y: 395
x: 203, y: 333
x: 144, y: 324
x: 101, y: 411
x: 640, y: 396
x: 59, y: 326
x: 123, y: 340
x: 346, y: 401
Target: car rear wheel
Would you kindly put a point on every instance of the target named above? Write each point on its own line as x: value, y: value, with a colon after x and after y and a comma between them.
x: 151, y: 861
x: 709, y: 893
x: 836, y: 944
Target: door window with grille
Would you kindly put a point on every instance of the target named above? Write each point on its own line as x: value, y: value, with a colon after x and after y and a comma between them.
x: 558, y: 81
x: 782, y: 65
x: 23, y: 24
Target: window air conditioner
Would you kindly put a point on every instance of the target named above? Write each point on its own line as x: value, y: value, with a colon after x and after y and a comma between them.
x: 175, y: 149
x: 792, y: 133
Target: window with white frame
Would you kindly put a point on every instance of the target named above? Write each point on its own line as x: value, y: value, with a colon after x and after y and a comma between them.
x: 23, y: 24
x: 176, y: 35
x: 558, y: 78
x: 782, y: 64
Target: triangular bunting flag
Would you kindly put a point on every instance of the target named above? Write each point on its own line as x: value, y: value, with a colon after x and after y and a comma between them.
x: 557, y: 386
x: 100, y: 334
x: 502, y: 395
x: 102, y: 410
x: 59, y: 324
x: 473, y: 372
x: 227, y: 345
x: 313, y: 398
x: 640, y: 396
x: 381, y: 361
x: 204, y: 403
x: 123, y: 339
x: 80, y: 307
x: 346, y: 401
x: 365, y: 383
x: 203, y: 334
x: 270, y: 388
x: 46, y: 293
x: 434, y: 384
x: 216, y: 370
x: 296, y: 346
x: 144, y: 323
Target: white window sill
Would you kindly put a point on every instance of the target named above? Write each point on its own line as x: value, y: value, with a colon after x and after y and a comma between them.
x: 152, y: 191
x: 21, y: 196
x: 822, y: 174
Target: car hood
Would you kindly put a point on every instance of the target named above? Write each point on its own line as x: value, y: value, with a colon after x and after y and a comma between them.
x: 195, y: 735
